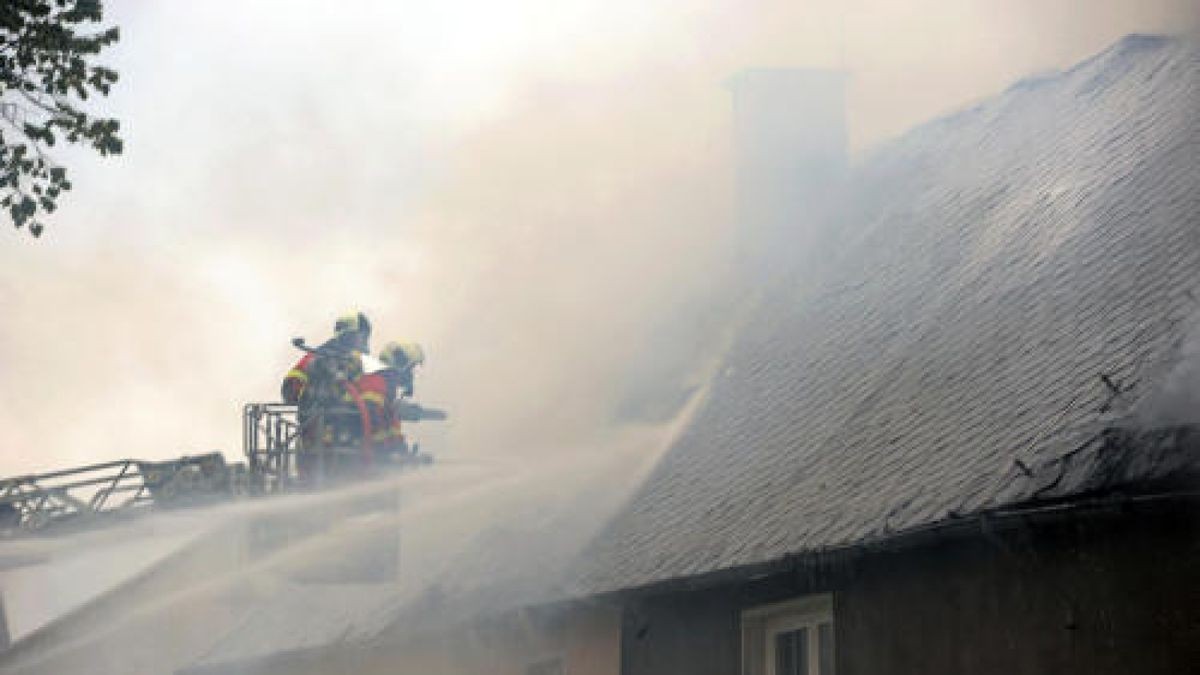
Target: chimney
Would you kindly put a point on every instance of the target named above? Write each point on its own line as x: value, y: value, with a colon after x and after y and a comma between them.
x: 789, y: 130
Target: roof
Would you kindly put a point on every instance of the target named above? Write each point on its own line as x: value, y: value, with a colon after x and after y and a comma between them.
x: 988, y: 268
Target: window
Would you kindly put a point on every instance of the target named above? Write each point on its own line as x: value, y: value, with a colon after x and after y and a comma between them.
x: 789, y: 638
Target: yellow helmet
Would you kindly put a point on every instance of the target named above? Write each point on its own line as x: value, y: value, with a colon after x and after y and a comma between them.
x: 402, y: 355
x: 352, y: 322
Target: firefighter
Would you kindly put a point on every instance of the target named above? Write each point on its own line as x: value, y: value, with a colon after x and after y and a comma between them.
x: 383, y: 390
x: 352, y: 331
x: 351, y: 335
x: 321, y: 384
x: 403, y: 357
x: 378, y: 391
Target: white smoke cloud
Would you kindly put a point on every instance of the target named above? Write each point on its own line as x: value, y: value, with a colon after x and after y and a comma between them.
x: 1175, y: 398
x: 528, y: 188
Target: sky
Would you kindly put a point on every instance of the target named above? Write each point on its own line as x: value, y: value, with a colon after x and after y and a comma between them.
x: 526, y: 188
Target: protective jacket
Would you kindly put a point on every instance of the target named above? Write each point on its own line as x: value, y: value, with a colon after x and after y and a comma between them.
x: 331, y: 413
x: 296, y: 380
x: 318, y: 377
x: 378, y: 391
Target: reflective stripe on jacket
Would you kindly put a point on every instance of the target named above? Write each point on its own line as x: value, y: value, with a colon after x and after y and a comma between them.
x: 296, y: 379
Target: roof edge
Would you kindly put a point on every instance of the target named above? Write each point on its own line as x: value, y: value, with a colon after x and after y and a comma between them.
x: 1115, y: 502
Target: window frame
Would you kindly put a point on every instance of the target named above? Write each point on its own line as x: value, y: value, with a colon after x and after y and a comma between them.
x: 760, y: 626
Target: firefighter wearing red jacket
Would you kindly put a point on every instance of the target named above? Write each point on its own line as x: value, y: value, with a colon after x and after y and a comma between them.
x: 382, y: 391
x: 352, y: 334
x: 320, y: 384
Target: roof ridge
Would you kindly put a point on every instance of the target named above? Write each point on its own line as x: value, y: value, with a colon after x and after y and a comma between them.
x: 1129, y: 44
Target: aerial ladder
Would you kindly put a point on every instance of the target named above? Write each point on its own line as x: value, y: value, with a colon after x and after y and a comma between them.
x: 277, y: 459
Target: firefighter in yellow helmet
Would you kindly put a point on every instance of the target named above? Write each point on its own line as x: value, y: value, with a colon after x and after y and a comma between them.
x: 352, y: 331
x: 384, y: 390
x: 403, y: 357
x: 319, y: 384
x: 351, y: 336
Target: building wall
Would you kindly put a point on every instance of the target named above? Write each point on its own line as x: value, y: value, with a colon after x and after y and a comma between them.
x: 695, y: 633
x: 592, y: 644
x: 1102, y: 596
x: 4, y: 639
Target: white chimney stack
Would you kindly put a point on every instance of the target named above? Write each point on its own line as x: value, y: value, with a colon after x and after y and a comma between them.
x: 790, y: 151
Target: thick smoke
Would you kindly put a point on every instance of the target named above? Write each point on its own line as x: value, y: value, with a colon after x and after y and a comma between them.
x: 1177, y: 399
x: 539, y: 192
x: 533, y: 190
